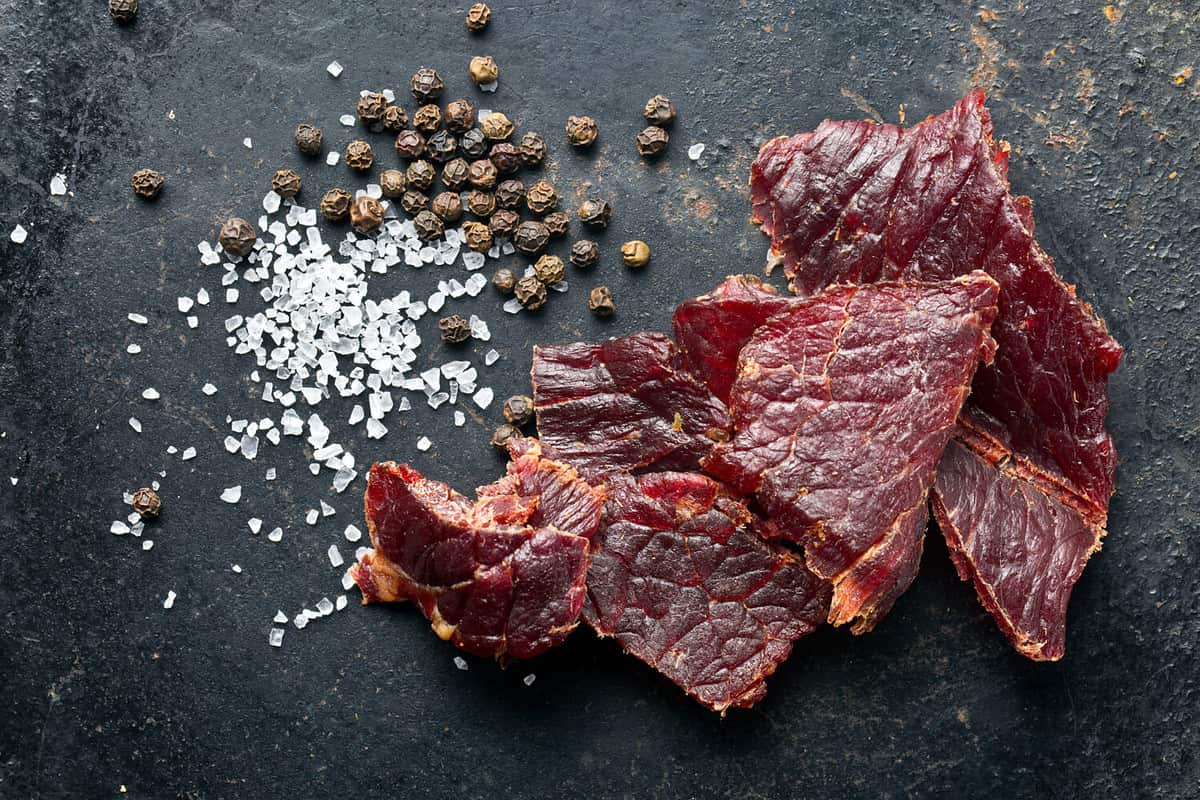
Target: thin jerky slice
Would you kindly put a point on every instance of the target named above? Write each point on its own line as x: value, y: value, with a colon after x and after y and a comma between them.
x: 842, y: 407
x: 683, y: 582
x: 623, y: 405
x: 486, y: 579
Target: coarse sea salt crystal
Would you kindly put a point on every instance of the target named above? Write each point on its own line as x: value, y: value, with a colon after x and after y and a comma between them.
x: 332, y: 157
x: 325, y: 606
x: 232, y: 494
x: 270, y: 474
x: 118, y: 527
x: 312, y: 516
x: 483, y: 397
x: 249, y: 145
x: 335, y: 556
x: 184, y: 304
x: 300, y: 620
x: 254, y: 524
x: 193, y: 322
x: 209, y: 389
x: 352, y: 533
x: 135, y: 424
x: 19, y: 235
x: 147, y: 544
x: 327, y: 510
x: 170, y: 601
x: 335, y: 69
x: 347, y: 120
x: 202, y: 297
x: 491, y: 357
x: 58, y: 185
x: 460, y: 419
x: 137, y: 319
x: 347, y: 580
x: 280, y: 618
x: 275, y: 535
x: 133, y: 349
x: 473, y: 260
x: 490, y: 86
x: 461, y: 663
x: 188, y: 454
x: 276, y: 636
x: 695, y: 151
x: 150, y: 394
x: 424, y: 444
x: 271, y: 202
x: 512, y: 306
x: 341, y: 602
x: 237, y: 568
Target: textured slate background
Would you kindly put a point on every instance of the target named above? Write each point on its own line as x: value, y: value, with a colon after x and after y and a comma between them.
x: 102, y: 688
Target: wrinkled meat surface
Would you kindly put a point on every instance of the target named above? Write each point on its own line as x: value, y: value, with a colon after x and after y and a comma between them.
x: 842, y: 407
x: 684, y: 583
x: 502, y: 576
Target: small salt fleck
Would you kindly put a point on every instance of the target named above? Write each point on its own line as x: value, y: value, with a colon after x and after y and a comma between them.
x: 275, y: 535
x: 193, y: 322
x: 460, y: 419
x: 489, y: 86
x: 483, y: 397
x: 312, y: 516
x: 280, y: 618
x: 276, y: 636
x: 237, y: 568
x: 353, y: 534
x: 208, y: 389
x: 357, y: 414
x: 473, y: 260
x: 255, y: 524
x: 335, y: 556
x: 58, y: 185
x: 137, y: 319
x: 118, y: 527
x: 347, y: 120
x: 188, y: 454
x: 133, y: 349
x: 270, y: 474
x: 512, y: 306
x: 341, y: 602
x: 248, y: 143
x: 325, y: 606
x: 332, y: 157
x: 147, y: 544
x: 14, y: 480
x: 202, y: 297
x: 695, y: 151
x: 424, y: 444
x: 529, y: 679
x: 271, y: 202
x: 232, y: 494
x: 231, y: 295
x: 19, y: 234
x: 461, y: 663
x: 491, y: 357
x: 347, y: 580
x: 135, y: 424
x: 184, y: 304
x: 170, y: 601
x: 300, y: 620
x: 334, y: 69
x: 327, y: 510
x: 150, y: 394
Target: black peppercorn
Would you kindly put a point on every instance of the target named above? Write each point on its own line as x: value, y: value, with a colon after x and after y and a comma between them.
x: 359, y: 155
x: 530, y: 292
x: 503, y: 434
x: 533, y: 149
x: 455, y: 173
x: 426, y: 85
x: 146, y: 183
x: 549, y: 269
x: 585, y: 253
x: 635, y: 253
x: 600, y: 302
x: 420, y: 175
x: 478, y: 236
x: 335, y: 204
x: 595, y: 213
x: 541, y: 198
x: 410, y: 144
x: 503, y: 222
x: 480, y: 203
x: 413, y: 201
x: 518, y: 410
x: 557, y: 223
x: 460, y: 116
x: 366, y: 214
x: 496, y: 126
x: 659, y: 110
x: 531, y: 237
x: 429, y: 225
x: 308, y: 139
x: 504, y: 280
x: 371, y: 107
x: 427, y: 118
x: 482, y: 174
x: 506, y: 156
x: 442, y: 146
x: 582, y: 131
x: 391, y: 182
x: 454, y: 329
x: 237, y: 237
x: 286, y: 183
x: 652, y: 141
x: 510, y: 193
x: 483, y: 70
x: 473, y: 143
x: 477, y: 17
x: 395, y: 118
x: 146, y: 503
x: 123, y: 12
x: 448, y: 206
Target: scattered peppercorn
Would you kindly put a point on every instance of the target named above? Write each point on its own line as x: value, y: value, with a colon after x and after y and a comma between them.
x: 448, y: 206
x: 455, y: 172
x: 478, y: 16
x: 549, y: 269
x: 482, y: 174
x: 530, y: 292
x: 477, y: 236
x: 146, y: 503
x: 366, y: 214
x: 395, y: 118
x: 454, y: 329
x: 371, y: 108
x: 533, y: 149
x: 359, y: 155
x: 652, y: 141
x: 473, y: 143
x: 335, y: 204
x: 428, y: 225
x: 146, y: 183
x: 480, y: 203
x: 531, y: 237
x: 503, y: 434
x: 413, y: 201
x: 237, y: 237
x: 504, y: 280
x: 582, y: 131
x: 635, y: 253
x: 308, y: 139
x: 585, y: 253
x: 410, y: 144
x: 506, y: 156
x: 286, y: 183
x: 496, y: 126
x: 460, y: 116
x: 518, y: 410
x: 123, y: 12
x: 420, y: 175
x: 483, y: 70
x: 541, y: 198
x: 600, y: 302
x: 510, y: 193
x: 595, y: 213
x: 503, y: 222
x: 426, y: 85
x: 442, y: 146
x: 557, y: 223
x: 659, y: 110
x: 427, y: 118
x: 391, y: 182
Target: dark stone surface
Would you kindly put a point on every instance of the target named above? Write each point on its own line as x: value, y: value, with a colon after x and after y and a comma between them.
x: 103, y: 688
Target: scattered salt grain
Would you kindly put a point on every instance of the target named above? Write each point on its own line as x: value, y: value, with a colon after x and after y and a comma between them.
x: 248, y: 143
x: 232, y: 494
x: 460, y: 419
x: 150, y: 394
x: 202, y: 297
x: 237, y: 568
x: 347, y: 120
x: 193, y: 322
x: 461, y: 663
x: 270, y: 474
x: 529, y: 679
x: 280, y: 618
x: 334, y: 69
x: 188, y: 454
x: 473, y: 260
x: 135, y: 424
x: 512, y: 306
x: 300, y: 620
x: 276, y: 636
x: 335, y: 556
x: 353, y: 534
x: 133, y: 349
x: 491, y: 357
x: 170, y: 601
x: 424, y: 444
x: 332, y: 157
x: 231, y: 295
x: 271, y: 202
x: 137, y: 319
x: 325, y: 606
x: 19, y: 235
x: 58, y: 185
x: 341, y: 602
x: 254, y: 524
x: 184, y: 304
x: 147, y: 544
x: 695, y: 151
x: 347, y: 580
x: 118, y: 527
x: 275, y: 535
x: 490, y: 86
x: 327, y: 510
x: 312, y: 516
x: 483, y: 397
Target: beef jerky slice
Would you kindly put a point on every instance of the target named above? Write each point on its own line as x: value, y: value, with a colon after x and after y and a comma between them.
x: 683, y: 582
x: 501, y: 577
x: 623, y: 405
x: 842, y: 407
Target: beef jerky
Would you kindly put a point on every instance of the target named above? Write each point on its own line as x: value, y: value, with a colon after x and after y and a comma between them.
x: 623, y: 405
x: 842, y: 407
x: 497, y: 577
x: 683, y: 582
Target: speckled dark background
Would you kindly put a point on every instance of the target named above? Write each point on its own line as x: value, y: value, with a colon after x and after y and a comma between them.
x: 100, y: 687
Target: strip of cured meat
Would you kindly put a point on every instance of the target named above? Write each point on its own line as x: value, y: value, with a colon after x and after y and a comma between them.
x: 682, y: 580
x: 842, y: 406
x: 622, y: 405
x: 858, y: 202
x: 500, y: 577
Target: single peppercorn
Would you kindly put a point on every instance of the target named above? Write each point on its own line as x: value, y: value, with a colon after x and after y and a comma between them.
x: 503, y: 434
x: 335, y: 204
x: 448, y: 206
x: 531, y: 237
x: 541, y: 198
x: 496, y: 126
x: 478, y: 16
x: 123, y: 12
x: 410, y: 144
x: 477, y: 236
x: 503, y: 222
x: 530, y: 292
x: 533, y: 149
x: 480, y: 203
x: 442, y: 146
x: 595, y: 213
x: 483, y: 70
x: 359, y: 155
x: 146, y: 183
x: 395, y: 118
x: 286, y: 183
x: 454, y: 329
x: 426, y: 85
x: 518, y: 410
x: 635, y: 253
x: 600, y: 302
x: 366, y: 214
x: 582, y: 131
x: 391, y: 182
x: 504, y: 280
x: 659, y: 110
x: 455, y: 172
x: 473, y: 143
x: 510, y: 193
x: 428, y: 225
x: 652, y: 141
x: 146, y: 503
x: 460, y: 116
x: 371, y: 108
x: 585, y: 253
x: 549, y: 269
x: 413, y: 201
x: 308, y: 139
x: 506, y: 156
x: 557, y: 223
x: 427, y: 118
x: 420, y: 175
x: 482, y: 174
x: 237, y: 237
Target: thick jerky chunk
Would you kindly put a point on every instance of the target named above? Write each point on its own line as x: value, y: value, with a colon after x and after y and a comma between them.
x: 623, y: 405
x: 841, y: 409
x: 495, y: 577
x: 683, y: 582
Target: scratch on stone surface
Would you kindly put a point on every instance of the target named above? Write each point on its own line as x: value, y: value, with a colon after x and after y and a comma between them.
x: 861, y: 103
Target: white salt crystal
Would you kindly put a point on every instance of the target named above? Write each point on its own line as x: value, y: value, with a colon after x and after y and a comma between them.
x: 460, y: 419
x: 184, y: 304
x: 202, y: 297
x: 341, y: 602
x: 376, y: 429
x: 357, y: 414
x: 249, y: 145
x: 237, y: 568
x: 275, y: 638
x: 19, y: 234
x: 232, y: 494
x: 332, y: 157
x: 512, y: 306
x: 231, y: 295
x: 473, y: 260
x: 193, y: 322
x: 461, y: 663
x: 150, y: 394
x: 280, y: 618
x: 334, y: 69
x: 137, y: 319
x: 118, y: 527
x: 300, y: 620
x: 436, y: 301
x: 335, y: 556
x: 312, y: 516
x: 271, y: 202
x: 347, y: 120
x: 147, y: 544
x: 170, y: 601
x: 209, y: 389
x: 347, y: 580
x: 314, y: 468
x: 325, y: 606
x: 695, y: 151
x: 327, y: 510
x: 352, y: 533
x: 359, y: 552
x: 491, y: 357
x: 270, y: 474
x: 188, y: 454
x: 529, y: 679
x: 424, y: 444
x: 275, y: 535
x: 135, y: 424
x: 483, y: 397
x: 58, y: 185
x: 255, y: 524
x: 133, y: 349
x: 490, y: 86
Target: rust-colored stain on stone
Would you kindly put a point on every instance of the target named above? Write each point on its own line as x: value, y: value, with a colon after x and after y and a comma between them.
x: 988, y: 15
x: 985, y: 72
x: 1112, y: 14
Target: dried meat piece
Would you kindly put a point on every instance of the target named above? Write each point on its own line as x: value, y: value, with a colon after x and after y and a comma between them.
x: 496, y: 577
x: 681, y: 580
x: 622, y: 405
x: 842, y: 406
